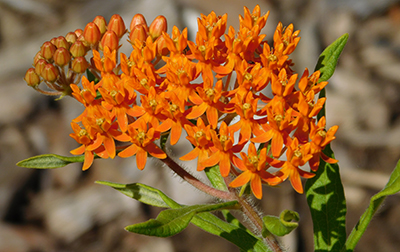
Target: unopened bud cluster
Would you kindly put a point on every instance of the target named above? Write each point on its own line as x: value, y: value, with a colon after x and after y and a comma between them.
x: 62, y: 60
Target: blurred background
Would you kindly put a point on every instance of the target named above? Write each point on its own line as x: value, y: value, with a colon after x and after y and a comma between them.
x: 63, y: 210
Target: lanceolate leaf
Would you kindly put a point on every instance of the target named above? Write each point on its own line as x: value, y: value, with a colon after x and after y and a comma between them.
x: 234, y: 232
x: 325, y: 197
x: 392, y: 187
x: 282, y: 225
x: 325, y: 194
x: 49, y: 161
x: 328, y: 59
x: 172, y: 221
x: 143, y: 193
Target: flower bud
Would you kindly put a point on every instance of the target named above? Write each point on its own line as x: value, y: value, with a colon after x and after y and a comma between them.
x: 47, y: 50
x: 100, y: 21
x: 32, y: 78
x: 162, y: 48
x: 92, y: 34
x: 157, y: 27
x: 117, y: 25
x: 110, y: 39
x: 71, y: 37
x: 50, y: 73
x: 78, y: 49
x: 39, y: 66
x: 78, y: 33
x: 53, y: 40
x: 61, y: 57
x: 37, y: 57
x: 138, y: 19
x: 139, y: 32
x: 61, y: 42
x: 79, y: 65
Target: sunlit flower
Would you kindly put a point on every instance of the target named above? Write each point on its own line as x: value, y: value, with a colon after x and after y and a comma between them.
x: 254, y: 168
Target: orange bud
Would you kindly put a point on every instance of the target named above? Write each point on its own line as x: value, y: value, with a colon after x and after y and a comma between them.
x: 78, y: 49
x: 110, y: 39
x: 37, y: 57
x: 117, y: 25
x: 79, y: 65
x: 162, y: 48
x: 78, y: 33
x: 92, y: 34
x: 71, y: 37
x: 32, y: 78
x: 50, y: 73
x: 157, y: 27
x: 53, y: 40
x: 100, y: 21
x: 138, y: 19
x: 39, y: 66
x: 61, y: 57
x: 139, y: 32
x: 61, y: 42
x: 47, y: 50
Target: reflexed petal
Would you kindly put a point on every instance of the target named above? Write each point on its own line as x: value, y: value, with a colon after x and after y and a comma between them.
x: 225, y: 165
x: 256, y: 187
x: 155, y: 151
x: 213, y: 159
x: 141, y: 158
x: 276, y: 145
x: 191, y: 155
x: 89, y: 156
x: 212, y: 116
x: 241, y: 179
x: 296, y: 182
x: 197, y: 111
x: 129, y: 151
x: 78, y: 151
x: 110, y: 146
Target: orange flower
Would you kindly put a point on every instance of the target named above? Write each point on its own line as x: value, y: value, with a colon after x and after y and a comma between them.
x: 254, y: 167
x: 117, y: 101
x: 280, y: 124
x: 246, y: 108
x: 224, y: 150
x: 208, y: 103
x: 319, y: 139
x: 200, y: 137
x: 297, y: 155
x: 142, y: 140
x: 89, y: 145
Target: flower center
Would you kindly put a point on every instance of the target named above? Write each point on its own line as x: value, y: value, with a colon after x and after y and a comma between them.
x: 153, y: 104
x: 141, y: 136
x: 272, y: 57
x: 248, y: 76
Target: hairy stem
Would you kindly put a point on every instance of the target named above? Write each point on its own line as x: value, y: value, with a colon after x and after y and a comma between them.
x: 195, y: 182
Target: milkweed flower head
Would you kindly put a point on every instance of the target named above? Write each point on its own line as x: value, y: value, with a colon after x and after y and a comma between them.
x: 212, y: 88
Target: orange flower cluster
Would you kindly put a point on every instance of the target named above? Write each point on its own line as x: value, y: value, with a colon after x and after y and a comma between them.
x: 223, y: 80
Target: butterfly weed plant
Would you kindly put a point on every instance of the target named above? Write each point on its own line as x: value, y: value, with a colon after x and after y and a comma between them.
x: 214, y: 90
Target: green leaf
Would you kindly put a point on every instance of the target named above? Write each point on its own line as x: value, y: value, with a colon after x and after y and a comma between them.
x: 325, y: 197
x: 172, y: 221
x: 143, y: 193
x: 49, y: 161
x: 283, y: 224
x: 329, y: 57
x: 206, y: 221
x: 392, y: 187
x: 215, y: 177
x: 325, y: 194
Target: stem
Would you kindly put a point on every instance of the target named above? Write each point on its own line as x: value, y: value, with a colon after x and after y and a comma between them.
x: 247, y: 209
x: 195, y: 182
x: 256, y: 220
